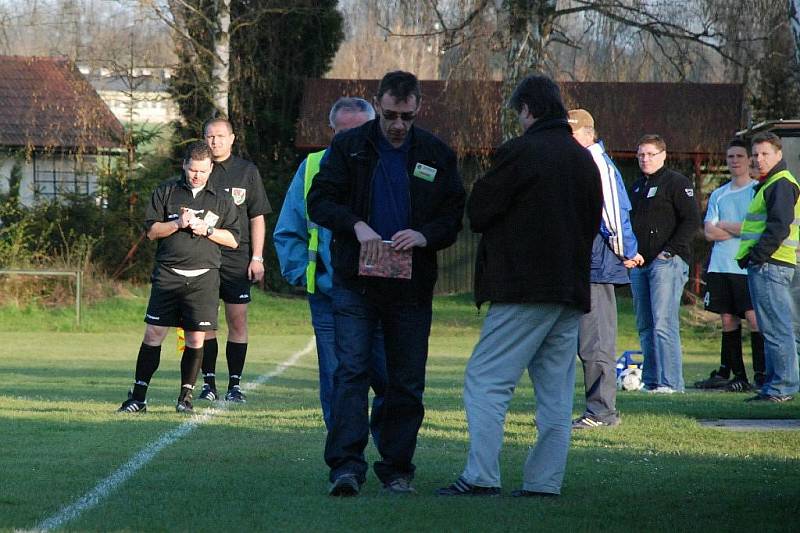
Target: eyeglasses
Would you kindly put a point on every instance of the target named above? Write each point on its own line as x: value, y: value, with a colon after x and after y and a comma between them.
x: 648, y: 155
x: 407, y: 116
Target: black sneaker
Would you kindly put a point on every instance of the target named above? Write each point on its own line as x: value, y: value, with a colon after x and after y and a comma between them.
x: 235, y: 394
x: 133, y: 406
x: 344, y: 486
x: 714, y: 381
x: 759, y: 378
x: 522, y: 493
x: 208, y: 393
x: 738, y: 385
x: 401, y: 486
x: 589, y: 422
x: 184, y: 406
x: 462, y: 488
x: 774, y: 398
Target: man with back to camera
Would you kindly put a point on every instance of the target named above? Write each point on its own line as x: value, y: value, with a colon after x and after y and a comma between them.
x: 385, y: 180
x: 538, y: 209
x: 726, y: 282
x: 614, y: 251
x: 191, y: 219
x: 305, y: 257
x: 769, y: 252
x: 665, y: 218
x: 241, y: 267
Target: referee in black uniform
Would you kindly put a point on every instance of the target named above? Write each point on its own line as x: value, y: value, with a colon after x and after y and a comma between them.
x: 191, y: 218
x: 240, y: 267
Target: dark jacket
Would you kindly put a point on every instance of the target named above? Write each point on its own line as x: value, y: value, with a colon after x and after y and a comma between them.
x: 665, y: 215
x: 538, y: 209
x: 341, y: 195
x: 780, y: 198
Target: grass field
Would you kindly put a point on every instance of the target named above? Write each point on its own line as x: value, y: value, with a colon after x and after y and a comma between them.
x: 259, y: 466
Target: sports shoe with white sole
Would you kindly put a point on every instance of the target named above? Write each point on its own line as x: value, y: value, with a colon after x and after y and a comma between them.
x: 235, y: 394
x: 208, y: 393
x: 131, y: 406
x: 590, y: 422
x: 184, y: 406
x: 401, y: 485
x: 344, y: 486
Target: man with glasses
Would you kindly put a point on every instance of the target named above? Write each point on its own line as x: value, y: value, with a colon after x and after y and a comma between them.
x: 665, y: 218
x: 191, y: 219
x: 387, y: 180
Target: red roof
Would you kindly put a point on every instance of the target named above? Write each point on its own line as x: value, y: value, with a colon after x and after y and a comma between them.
x: 46, y: 103
x: 693, y: 118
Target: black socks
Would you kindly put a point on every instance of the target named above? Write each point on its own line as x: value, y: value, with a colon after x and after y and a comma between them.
x: 210, y: 350
x: 146, y: 365
x: 235, y: 352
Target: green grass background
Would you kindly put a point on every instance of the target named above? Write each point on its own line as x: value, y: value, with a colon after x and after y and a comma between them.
x: 259, y: 466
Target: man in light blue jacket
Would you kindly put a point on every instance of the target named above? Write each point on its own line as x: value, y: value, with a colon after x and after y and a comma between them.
x: 304, y: 253
x: 614, y: 250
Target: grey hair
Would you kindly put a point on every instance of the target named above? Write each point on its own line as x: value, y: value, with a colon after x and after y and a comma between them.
x: 352, y: 104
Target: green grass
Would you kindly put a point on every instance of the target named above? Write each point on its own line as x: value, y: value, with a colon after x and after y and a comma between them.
x: 259, y: 466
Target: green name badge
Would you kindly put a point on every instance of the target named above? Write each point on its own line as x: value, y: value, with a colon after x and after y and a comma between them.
x: 424, y: 172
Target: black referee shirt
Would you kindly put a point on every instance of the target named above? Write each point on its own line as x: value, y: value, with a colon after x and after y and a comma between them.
x: 240, y: 178
x: 183, y: 249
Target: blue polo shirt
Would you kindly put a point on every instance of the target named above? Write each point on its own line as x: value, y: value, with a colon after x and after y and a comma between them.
x: 391, y: 198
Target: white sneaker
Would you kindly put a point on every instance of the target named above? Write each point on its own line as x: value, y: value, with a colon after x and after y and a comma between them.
x: 663, y: 389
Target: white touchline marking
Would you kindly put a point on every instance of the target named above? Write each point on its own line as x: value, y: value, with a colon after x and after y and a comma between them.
x: 123, y: 473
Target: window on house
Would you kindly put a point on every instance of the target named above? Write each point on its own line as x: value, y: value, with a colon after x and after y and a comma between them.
x: 60, y: 175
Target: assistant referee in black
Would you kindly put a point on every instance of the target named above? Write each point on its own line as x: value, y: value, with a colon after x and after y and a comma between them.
x: 191, y: 220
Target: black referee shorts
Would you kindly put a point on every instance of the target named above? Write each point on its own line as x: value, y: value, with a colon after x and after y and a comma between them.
x: 234, y: 285
x: 727, y: 293
x: 179, y: 301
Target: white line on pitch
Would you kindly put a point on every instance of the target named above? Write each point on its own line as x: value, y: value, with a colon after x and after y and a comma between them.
x: 123, y: 473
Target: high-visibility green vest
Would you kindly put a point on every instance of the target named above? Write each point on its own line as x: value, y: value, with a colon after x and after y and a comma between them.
x: 312, y: 168
x: 756, y: 222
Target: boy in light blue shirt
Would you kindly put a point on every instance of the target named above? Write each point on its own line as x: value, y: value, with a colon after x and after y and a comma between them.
x: 726, y: 283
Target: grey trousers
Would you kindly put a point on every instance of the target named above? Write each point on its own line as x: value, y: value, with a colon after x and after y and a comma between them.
x: 540, y: 338
x: 597, y: 350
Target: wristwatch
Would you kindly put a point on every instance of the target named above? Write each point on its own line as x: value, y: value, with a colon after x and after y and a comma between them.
x: 209, y: 231
x: 257, y: 258
x: 667, y: 255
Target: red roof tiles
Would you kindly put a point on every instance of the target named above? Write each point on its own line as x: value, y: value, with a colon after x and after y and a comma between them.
x: 45, y: 103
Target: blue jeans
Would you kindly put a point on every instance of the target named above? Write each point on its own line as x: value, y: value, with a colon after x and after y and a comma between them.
x: 770, y: 291
x: 657, y: 288
x: 321, y: 307
x: 542, y: 339
x: 406, y: 328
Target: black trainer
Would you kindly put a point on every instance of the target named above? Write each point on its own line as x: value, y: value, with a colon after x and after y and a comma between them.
x: 738, y: 385
x: 774, y: 398
x: 714, y: 381
x: 461, y: 488
x: 590, y: 422
x: 235, y: 394
x: 344, y: 486
x: 184, y: 406
x: 522, y: 493
x: 208, y: 393
x: 133, y: 406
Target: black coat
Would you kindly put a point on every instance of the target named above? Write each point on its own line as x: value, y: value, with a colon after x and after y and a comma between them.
x: 341, y: 195
x: 538, y: 209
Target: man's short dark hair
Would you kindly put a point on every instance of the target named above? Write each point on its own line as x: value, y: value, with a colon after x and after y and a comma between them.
x: 198, y: 151
x: 768, y: 137
x: 399, y: 84
x: 654, y: 139
x: 541, y: 95
x: 738, y: 142
x: 218, y: 120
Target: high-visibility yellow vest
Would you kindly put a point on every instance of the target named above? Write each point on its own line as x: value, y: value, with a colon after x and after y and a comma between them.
x: 312, y: 168
x: 756, y: 222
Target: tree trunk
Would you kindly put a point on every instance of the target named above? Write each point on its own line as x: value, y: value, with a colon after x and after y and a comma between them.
x: 222, y: 58
x: 529, y: 26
